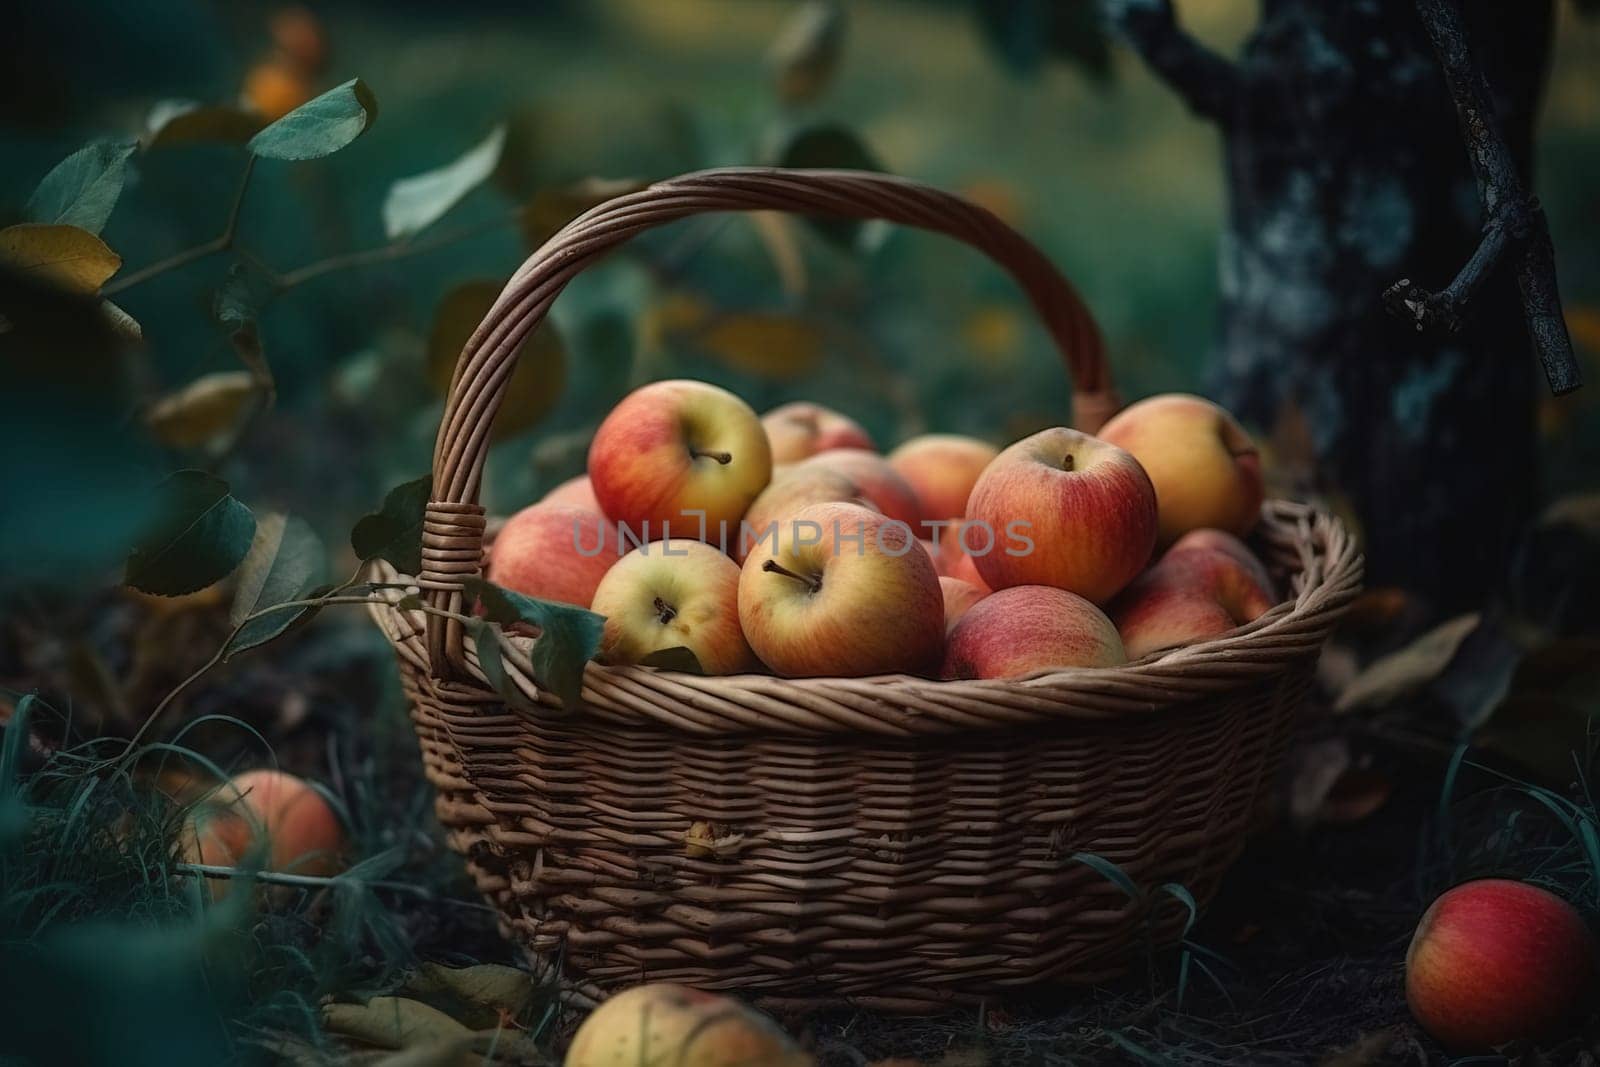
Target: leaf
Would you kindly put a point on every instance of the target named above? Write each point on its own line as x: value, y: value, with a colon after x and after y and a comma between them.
x: 67, y: 256
x: 123, y: 324
x: 486, y: 642
x: 319, y: 127
x: 676, y: 658
x: 198, y: 535
x: 806, y: 51
x: 830, y: 147
x: 551, y: 209
x: 392, y: 1023
x: 777, y: 346
x: 202, y: 410
x: 568, y: 639
x: 413, y: 204
x: 186, y: 122
x: 480, y: 996
x: 540, y: 376
x: 394, y: 532
x: 1110, y: 872
x: 83, y: 189
x: 1027, y: 32
x: 1409, y: 669
x: 285, y: 562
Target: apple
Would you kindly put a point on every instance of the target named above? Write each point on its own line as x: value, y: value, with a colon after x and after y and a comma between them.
x: 1026, y: 628
x: 802, y: 429
x: 791, y: 489
x: 669, y: 594
x: 941, y: 469
x: 680, y: 452
x: 841, y: 591
x: 1061, y: 508
x: 553, y: 552
x: 1496, y: 960
x: 574, y: 493
x: 958, y: 597
x: 1206, y: 584
x: 1205, y: 467
x: 663, y: 1023
x: 269, y: 817
x: 878, y: 482
x: 960, y: 565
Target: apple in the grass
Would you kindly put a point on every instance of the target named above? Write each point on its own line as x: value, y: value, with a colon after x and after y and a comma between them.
x: 842, y: 591
x: 679, y: 452
x: 670, y: 594
x: 1203, y: 586
x: 1496, y: 960
x: 1205, y: 467
x: 1026, y: 628
x: 791, y: 488
x: 553, y: 552
x: 802, y: 429
x: 574, y: 493
x: 879, y: 483
x: 1062, y: 508
x: 941, y: 469
x: 269, y: 817
x: 958, y: 597
x: 663, y: 1023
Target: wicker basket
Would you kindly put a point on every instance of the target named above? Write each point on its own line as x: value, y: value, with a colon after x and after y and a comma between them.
x: 891, y: 842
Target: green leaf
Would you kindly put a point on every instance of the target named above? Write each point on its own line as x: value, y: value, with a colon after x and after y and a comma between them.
x: 413, y: 204
x: 286, y: 561
x: 394, y: 532
x: 676, y: 658
x: 319, y: 127
x: 830, y: 147
x: 486, y: 640
x: 186, y: 122
x: 568, y: 639
x: 198, y: 536
x: 202, y: 410
x: 83, y: 188
x: 1110, y: 872
x: 806, y: 51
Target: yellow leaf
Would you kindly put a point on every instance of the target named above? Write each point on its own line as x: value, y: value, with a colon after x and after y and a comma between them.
x: 201, y: 410
x: 71, y: 257
x: 541, y: 372
x: 551, y: 209
x: 765, y: 343
x: 1404, y: 672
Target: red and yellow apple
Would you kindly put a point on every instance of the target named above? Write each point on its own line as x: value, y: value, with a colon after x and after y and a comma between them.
x: 802, y: 429
x: 1205, y: 467
x: 574, y: 493
x: 1494, y: 960
x: 1027, y: 628
x: 1205, y: 585
x: 1066, y: 510
x: 791, y: 488
x: 662, y: 1023
x: 683, y: 453
x: 843, y: 591
x: 960, y: 565
x: 553, y: 552
x: 879, y: 484
x: 959, y: 596
x: 269, y: 817
x: 941, y: 469
x: 670, y: 594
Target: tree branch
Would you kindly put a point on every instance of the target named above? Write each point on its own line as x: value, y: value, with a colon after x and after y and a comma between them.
x: 1208, y: 83
x: 220, y: 243
x: 1516, y: 223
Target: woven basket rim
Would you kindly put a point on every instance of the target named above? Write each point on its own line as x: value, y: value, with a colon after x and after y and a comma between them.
x: 1326, y: 579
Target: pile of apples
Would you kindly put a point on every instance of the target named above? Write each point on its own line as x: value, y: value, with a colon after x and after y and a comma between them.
x: 786, y: 542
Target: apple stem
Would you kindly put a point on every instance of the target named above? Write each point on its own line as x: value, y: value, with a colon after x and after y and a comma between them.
x: 1067, y: 464
x: 723, y: 458
x: 775, y: 567
x: 664, y: 611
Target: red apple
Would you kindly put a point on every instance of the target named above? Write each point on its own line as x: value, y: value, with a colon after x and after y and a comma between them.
x: 269, y: 816
x: 802, y: 429
x: 1028, y: 628
x: 791, y: 488
x: 1205, y: 467
x: 1496, y: 960
x: 1062, y: 509
x: 959, y: 596
x: 553, y: 552
x: 941, y: 469
x: 880, y: 485
x: 679, y: 452
x: 844, y: 592
x: 1206, y: 584
x: 574, y: 493
x: 670, y: 594
x: 960, y: 565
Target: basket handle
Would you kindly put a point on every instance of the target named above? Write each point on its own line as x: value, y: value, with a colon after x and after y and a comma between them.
x: 453, y: 529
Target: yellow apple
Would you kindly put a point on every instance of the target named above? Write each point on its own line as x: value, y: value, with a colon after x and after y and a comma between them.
x: 670, y: 594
